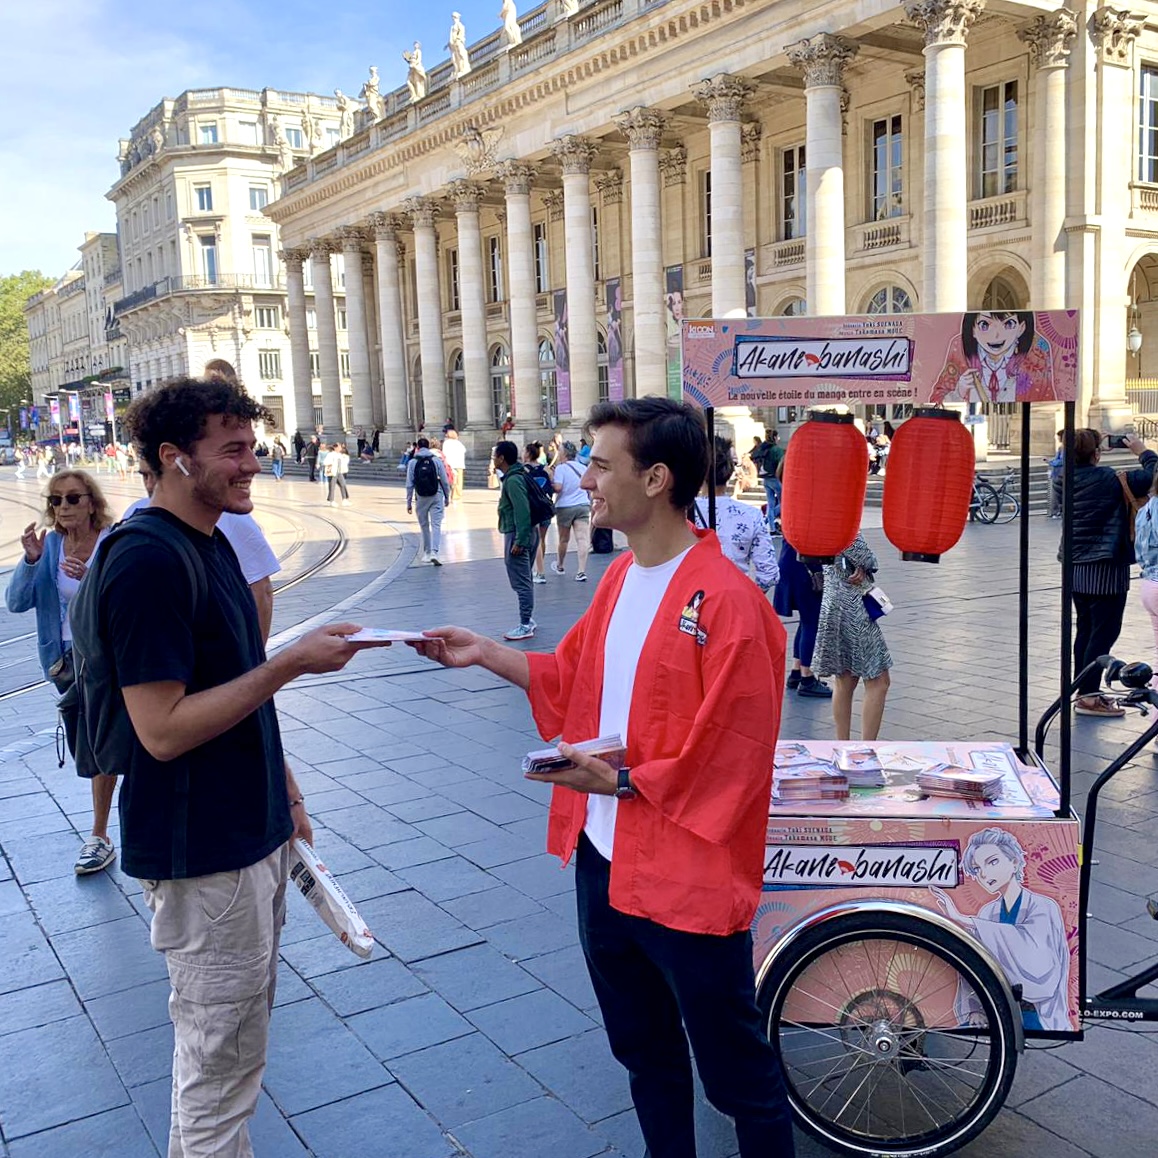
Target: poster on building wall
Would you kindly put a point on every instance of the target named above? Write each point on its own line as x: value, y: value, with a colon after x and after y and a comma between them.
x: 750, y: 282
x: 562, y: 361
x: 979, y: 356
x: 674, y: 313
x: 614, y: 340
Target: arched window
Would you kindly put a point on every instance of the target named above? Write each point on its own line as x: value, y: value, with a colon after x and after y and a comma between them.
x: 890, y: 300
x: 602, y: 364
x: 456, y: 391
x: 548, y: 385
x: 794, y: 308
x: 500, y: 384
x: 1000, y: 295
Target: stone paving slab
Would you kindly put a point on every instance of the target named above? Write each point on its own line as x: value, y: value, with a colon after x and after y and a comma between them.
x: 472, y: 1031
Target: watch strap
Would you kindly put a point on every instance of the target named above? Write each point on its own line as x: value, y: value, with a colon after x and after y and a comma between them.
x: 625, y: 790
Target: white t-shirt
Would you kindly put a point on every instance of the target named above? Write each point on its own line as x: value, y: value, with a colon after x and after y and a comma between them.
x: 454, y: 452
x: 251, y: 547
x: 68, y: 587
x: 639, y: 599
x: 567, y: 475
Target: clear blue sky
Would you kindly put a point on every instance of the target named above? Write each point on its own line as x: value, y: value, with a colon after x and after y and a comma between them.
x: 77, y: 74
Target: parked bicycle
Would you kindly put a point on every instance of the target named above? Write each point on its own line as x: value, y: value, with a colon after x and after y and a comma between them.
x: 1009, y: 505
x: 990, y: 504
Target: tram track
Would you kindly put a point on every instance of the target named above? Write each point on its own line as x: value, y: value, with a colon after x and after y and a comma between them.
x: 337, y: 546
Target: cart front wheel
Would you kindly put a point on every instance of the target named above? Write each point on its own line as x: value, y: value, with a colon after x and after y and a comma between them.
x: 894, y: 1035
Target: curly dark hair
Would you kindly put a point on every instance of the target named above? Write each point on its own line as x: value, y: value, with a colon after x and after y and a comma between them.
x: 177, y: 411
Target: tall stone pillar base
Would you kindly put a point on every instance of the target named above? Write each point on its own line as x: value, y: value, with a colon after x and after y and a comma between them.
x: 736, y: 424
x: 1109, y: 417
x: 1044, y: 423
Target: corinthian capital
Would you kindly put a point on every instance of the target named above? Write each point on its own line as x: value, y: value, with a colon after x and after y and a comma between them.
x: 516, y: 177
x: 610, y: 186
x: 1049, y: 38
x: 421, y: 210
x: 673, y: 165
x: 294, y: 259
x: 642, y: 127
x: 320, y: 248
x: 466, y: 196
x: 1113, y: 31
x: 724, y: 95
x: 385, y: 226
x: 574, y: 153
x: 915, y: 79
x: 944, y: 21
x: 822, y: 58
x: 350, y: 238
x: 553, y: 203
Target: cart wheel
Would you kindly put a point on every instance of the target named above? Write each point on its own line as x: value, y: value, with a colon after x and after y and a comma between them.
x: 988, y: 502
x: 894, y: 1036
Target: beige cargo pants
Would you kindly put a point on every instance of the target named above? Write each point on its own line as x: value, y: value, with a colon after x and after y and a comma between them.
x: 220, y: 936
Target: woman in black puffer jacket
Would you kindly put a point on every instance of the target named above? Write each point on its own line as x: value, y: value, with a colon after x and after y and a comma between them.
x: 1102, y: 554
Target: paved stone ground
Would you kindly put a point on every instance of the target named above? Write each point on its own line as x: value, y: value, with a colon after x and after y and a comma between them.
x: 473, y: 1028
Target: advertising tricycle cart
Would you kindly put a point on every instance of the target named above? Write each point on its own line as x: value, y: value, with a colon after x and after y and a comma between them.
x: 908, y: 946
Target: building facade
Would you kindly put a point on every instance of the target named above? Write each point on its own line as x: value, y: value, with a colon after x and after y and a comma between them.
x: 531, y: 229
x: 202, y: 275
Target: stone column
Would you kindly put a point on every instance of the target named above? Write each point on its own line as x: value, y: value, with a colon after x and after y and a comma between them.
x: 299, y: 337
x: 822, y: 59
x: 394, y: 373
x: 1049, y: 38
x: 575, y: 155
x: 643, y: 129
x: 724, y: 96
x: 516, y: 180
x: 329, y: 372
x: 475, y: 363
x: 422, y: 212
x: 1113, y: 32
x: 361, y: 399
x: 946, y: 258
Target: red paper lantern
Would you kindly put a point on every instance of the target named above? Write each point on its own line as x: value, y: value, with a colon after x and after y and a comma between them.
x: 928, y: 484
x: 825, y: 471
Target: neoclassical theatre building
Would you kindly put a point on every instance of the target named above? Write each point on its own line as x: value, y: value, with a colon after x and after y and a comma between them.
x: 531, y: 218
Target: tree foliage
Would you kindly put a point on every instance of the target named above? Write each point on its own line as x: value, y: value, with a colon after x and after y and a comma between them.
x: 15, y: 376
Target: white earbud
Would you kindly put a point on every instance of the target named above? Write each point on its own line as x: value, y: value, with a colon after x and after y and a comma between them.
x: 180, y: 465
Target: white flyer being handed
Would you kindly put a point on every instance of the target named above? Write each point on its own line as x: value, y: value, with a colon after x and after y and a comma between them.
x: 385, y: 635
x: 318, y: 886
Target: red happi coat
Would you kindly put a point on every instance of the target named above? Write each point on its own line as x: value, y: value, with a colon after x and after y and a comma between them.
x: 705, y: 714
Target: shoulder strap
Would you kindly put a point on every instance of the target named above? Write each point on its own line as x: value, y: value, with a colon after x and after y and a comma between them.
x: 157, y: 529
x: 1132, y: 500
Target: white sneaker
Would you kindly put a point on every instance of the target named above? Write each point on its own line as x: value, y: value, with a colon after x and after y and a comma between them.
x: 557, y: 569
x: 539, y: 578
x: 580, y: 576
x: 426, y: 556
x: 523, y: 631
x: 435, y: 559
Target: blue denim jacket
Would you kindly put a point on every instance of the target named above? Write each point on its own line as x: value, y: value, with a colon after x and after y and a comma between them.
x: 1146, y: 539
x: 34, y: 586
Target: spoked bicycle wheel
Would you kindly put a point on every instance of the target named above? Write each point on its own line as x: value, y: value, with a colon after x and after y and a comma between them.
x: 1008, y: 509
x: 988, y: 502
x: 895, y: 1036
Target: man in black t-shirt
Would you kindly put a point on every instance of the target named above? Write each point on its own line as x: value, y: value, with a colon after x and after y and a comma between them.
x: 208, y: 804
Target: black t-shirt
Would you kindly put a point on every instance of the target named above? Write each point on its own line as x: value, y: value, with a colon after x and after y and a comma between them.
x: 222, y: 805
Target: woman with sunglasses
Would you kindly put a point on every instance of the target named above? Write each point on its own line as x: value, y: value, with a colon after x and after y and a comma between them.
x: 76, y: 518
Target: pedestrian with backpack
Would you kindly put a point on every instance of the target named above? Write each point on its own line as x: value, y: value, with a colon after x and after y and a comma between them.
x: 542, y: 488
x: 426, y: 478
x: 174, y: 681
x: 76, y: 519
x: 520, y: 533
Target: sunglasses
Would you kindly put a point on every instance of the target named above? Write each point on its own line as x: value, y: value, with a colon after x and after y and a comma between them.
x: 72, y: 500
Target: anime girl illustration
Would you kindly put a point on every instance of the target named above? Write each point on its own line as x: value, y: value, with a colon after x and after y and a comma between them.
x: 1023, y: 930
x: 998, y: 358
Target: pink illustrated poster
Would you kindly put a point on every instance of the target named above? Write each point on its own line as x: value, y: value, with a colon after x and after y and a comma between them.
x: 980, y: 356
x: 1006, y: 875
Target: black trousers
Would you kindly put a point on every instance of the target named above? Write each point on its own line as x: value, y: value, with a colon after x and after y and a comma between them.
x: 653, y: 982
x: 1099, y: 623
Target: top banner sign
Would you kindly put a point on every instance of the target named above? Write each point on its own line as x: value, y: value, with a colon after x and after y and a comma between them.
x: 979, y: 356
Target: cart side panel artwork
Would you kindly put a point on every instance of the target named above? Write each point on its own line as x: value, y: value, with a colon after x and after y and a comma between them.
x: 1011, y: 886
x: 974, y: 357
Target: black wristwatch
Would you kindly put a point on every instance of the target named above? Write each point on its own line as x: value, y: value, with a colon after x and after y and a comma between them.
x: 625, y: 789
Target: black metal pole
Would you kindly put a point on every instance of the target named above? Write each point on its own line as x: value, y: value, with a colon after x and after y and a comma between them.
x: 710, y: 415
x: 1067, y: 598
x: 1023, y: 596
